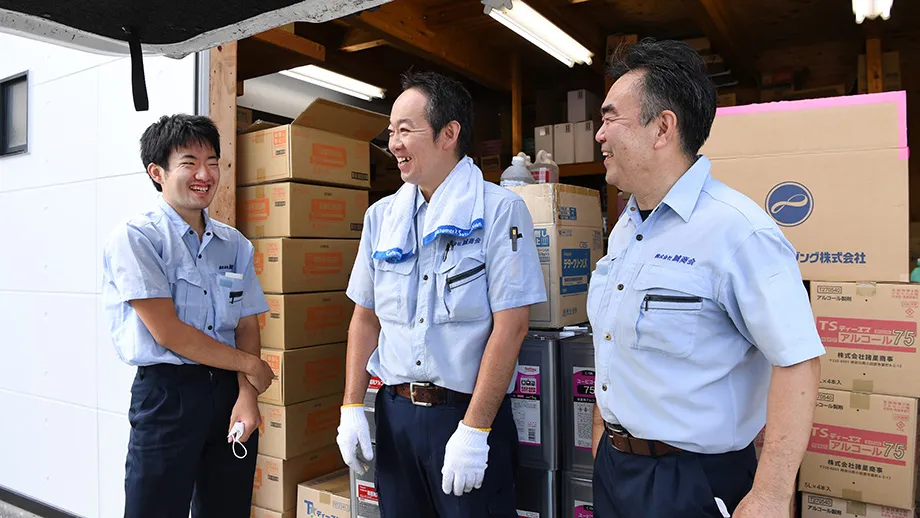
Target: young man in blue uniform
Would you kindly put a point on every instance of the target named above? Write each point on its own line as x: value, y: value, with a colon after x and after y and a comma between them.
x: 181, y: 299
x: 702, y: 326
x: 446, y: 271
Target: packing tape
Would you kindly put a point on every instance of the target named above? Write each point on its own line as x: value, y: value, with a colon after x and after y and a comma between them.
x: 867, y: 386
x: 866, y: 289
x: 260, y: 192
x: 860, y: 401
x: 853, y: 495
x: 856, y: 508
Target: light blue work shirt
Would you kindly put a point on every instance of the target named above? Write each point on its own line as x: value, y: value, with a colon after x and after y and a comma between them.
x: 432, y: 333
x: 158, y: 255
x: 689, y: 310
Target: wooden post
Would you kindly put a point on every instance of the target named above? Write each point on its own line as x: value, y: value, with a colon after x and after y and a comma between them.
x: 517, y: 86
x: 874, y: 65
x: 222, y: 96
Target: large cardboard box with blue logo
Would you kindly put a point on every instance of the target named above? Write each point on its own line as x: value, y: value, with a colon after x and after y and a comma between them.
x: 325, y: 497
x: 833, y: 175
x: 568, y: 231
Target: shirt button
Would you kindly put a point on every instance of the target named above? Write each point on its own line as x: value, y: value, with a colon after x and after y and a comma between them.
x: 425, y: 278
x: 607, y: 336
x: 421, y: 320
x: 199, y: 256
x: 604, y: 387
x: 207, y: 233
x: 620, y: 287
x: 205, y: 292
x: 191, y: 231
x: 418, y: 362
x: 638, y: 238
x: 210, y: 328
x: 632, y: 208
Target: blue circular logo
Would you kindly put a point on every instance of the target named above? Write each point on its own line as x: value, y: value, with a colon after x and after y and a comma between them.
x: 789, y: 204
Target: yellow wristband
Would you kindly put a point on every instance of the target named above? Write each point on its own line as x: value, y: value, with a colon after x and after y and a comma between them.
x: 352, y: 405
x: 486, y: 430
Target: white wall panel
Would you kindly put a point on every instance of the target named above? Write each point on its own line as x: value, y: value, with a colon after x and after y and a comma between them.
x: 45, y: 62
x: 113, y: 448
x: 113, y: 385
x: 51, y: 453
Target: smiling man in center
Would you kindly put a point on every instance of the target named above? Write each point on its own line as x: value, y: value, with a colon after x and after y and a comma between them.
x: 442, y: 295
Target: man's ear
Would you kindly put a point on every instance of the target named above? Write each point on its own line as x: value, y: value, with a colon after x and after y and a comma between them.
x: 157, y: 173
x: 450, y: 135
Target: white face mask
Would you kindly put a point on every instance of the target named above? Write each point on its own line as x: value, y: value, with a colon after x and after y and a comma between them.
x: 234, y: 436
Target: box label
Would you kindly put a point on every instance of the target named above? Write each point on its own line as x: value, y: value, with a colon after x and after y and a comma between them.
x: 527, y: 514
x: 853, y: 443
x: 583, y: 509
x: 327, y: 210
x: 583, y: 395
x: 833, y: 257
x: 525, y: 405
x: 320, y: 263
x: 868, y: 334
x: 330, y: 156
x: 324, y: 317
x: 576, y: 267
x: 257, y: 209
x: 279, y: 142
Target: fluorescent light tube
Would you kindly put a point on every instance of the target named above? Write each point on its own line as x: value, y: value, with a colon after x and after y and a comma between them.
x: 532, y: 26
x: 337, y: 82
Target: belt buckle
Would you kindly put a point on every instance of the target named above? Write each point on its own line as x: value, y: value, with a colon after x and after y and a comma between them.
x: 412, y: 386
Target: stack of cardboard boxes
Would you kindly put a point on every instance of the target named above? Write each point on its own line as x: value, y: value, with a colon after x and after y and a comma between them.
x: 833, y: 174
x: 572, y: 142
x: 302, y: 198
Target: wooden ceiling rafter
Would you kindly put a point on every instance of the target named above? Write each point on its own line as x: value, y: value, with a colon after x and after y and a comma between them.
x: 713, y: 19
x: 356, y: 40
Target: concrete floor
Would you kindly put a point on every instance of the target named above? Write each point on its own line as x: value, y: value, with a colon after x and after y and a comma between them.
x: 8, y: 511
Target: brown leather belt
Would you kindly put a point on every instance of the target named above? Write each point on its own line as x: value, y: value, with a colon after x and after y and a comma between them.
x: 426, y: 394
x: 626, y: 443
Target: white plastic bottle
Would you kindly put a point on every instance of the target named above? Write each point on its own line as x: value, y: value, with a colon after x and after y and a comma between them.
x: 544, y: 170
x: 516, y: 174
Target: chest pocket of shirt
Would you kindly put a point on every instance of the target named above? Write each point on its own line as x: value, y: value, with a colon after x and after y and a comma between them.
x: 393, y: 290
x: 188, y: 295
x: 229, y: 302
x: 671, y: 303
x: 463, y: 288
x: 596, y: 288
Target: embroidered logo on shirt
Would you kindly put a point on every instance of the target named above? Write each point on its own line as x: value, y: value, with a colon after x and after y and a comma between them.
x: 682, y: 259
x: 225, y: 267
x: 468, y: 241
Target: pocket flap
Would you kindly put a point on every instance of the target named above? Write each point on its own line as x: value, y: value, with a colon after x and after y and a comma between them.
x: 459, y: 261
x: 404, y: 267
x: 189, y: 275
x: 673, y: 279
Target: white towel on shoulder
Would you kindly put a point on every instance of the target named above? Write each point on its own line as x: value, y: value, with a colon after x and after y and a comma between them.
x: 455, y: 209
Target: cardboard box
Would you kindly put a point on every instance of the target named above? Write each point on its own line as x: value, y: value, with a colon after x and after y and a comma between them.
x: 802, y: 161
x: 290, y: 209
x: 863, y: 447
x: 569, y: 237
x: 325, y: 497
x: 870, y: 333
x: 304, y: 374
x: 243, y: 117
x: 543, y: 139
x: 304, y: 265
x: 293, y: 430
x: 304, y: 319
x: 564, y: 143
x: 275, y: 485
x: 818, y: 506
x: 729, y: 99
x: 258, y: 512
x: 327, y: 143
x: 582, y: 105
x: 586, y: 148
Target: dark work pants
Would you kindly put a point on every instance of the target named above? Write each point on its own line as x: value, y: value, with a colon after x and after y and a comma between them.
x: 681, y: 485
x: 411, y: 441
x: 178, y: 452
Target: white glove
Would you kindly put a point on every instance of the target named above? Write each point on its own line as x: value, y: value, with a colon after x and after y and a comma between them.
x: 354, y: 432
x: 465, y: 460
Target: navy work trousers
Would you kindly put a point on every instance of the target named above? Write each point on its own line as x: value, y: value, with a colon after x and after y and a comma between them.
x: 685, y: 485
x: 178, y: 455
x: 411, y: 441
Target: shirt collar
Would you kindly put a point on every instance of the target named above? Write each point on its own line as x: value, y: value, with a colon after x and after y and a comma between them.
x: 419, y: 199
x: 686, y: 191
x: 181, y: 224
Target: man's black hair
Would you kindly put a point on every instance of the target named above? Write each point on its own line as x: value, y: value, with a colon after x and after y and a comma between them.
x: 675, y: 78
x: 171, y: 132
x: 448, y: 100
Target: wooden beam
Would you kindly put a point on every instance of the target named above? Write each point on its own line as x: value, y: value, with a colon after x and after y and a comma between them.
x: 450, y: 13
x: 290, y: 41
x: 727, y: 41
x: 222, y: 110
x: 401, y: 23
x: 357, y: 39
x: 874, y: 65
x: 276, y: 50
x: 517, y: 86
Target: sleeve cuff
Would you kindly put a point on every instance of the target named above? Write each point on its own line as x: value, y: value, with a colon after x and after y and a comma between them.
x: 517, y: 303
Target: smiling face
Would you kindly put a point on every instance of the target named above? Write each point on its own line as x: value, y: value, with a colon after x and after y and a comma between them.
x: 412, y: 138
x: 627, y: 144
x: 190, y: 182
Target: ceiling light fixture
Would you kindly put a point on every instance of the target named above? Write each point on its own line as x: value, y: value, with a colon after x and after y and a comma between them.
x: 337, y: 82
x: 872, y: 9
x: 532, y: 26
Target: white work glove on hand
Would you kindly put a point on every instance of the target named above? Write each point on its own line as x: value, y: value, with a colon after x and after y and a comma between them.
x: 465, y: 460
x: 354, y: 432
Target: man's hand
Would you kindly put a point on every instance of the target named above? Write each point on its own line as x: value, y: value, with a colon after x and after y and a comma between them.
x: 246, y: 410
x: 465, y: 460
x: 354, y: 433
x: 755, y: 505
x: 260, y: 375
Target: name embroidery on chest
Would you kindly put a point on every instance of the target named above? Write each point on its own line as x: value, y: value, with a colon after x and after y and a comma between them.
x: 225, y: 267
x: 467, y: 241
x: 682, y: 259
